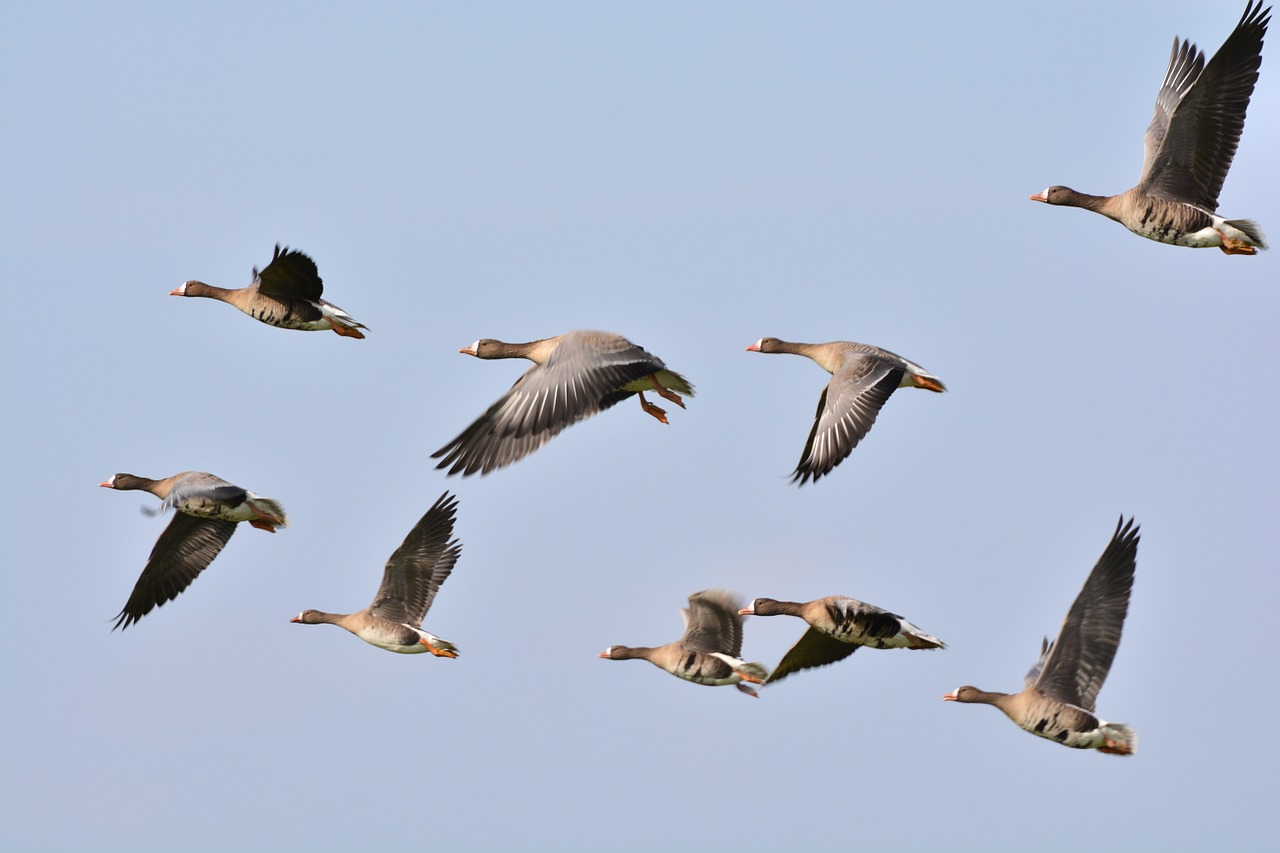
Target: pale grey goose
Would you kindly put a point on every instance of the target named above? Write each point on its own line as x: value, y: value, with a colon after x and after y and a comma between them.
x: 206, y: 512
x: 1189, y: 146
x: 410, y: 582
x: 574, y: 376
x: 1061, y: 689
x: 838, y: 625
x: 862, y: 378
x: 286, y: 293
x: 709, y: 650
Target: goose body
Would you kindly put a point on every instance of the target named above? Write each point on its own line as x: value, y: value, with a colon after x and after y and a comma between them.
x: 862, y: 378
x: 709, y: 651
x: 286, y: 294
x: 410, y: 581
x: 206, y: 512
x: 1061, y: 690
x: 574, y: 376
x: 838, y: 626
x: 1189, y: 146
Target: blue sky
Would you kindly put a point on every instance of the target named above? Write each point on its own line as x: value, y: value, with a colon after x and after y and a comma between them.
x: 693, y: 176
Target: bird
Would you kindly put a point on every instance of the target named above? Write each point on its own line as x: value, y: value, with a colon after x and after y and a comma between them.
x: 709, y: 650
x: 412, y: 578
x: 862, y: 378
x: 1058, y: 700
x: 838, y: 625
x: 207, y: 510
x: 286, y: 294
x: 1188, y: 148
x: 574, y: 376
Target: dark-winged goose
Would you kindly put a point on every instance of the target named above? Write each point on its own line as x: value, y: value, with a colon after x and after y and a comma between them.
x: 285, y: 294
x: 1189, y: 147
x: 1061, y: 689
x: 709, y: 650
x: 574, y: 376
x: 410, y: 582
x: 838, y: 625
x: 206, y: 512
x: 862, y: 378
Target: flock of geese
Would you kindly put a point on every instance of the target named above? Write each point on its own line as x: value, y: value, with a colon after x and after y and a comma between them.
x: 1199, y: 116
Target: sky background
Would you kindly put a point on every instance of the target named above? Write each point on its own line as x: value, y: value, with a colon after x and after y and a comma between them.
x: 694, y: 177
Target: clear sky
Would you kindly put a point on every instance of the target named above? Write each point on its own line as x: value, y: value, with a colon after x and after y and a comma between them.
x: 692, y: 176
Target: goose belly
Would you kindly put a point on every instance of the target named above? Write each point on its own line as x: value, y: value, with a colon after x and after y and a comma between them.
x: 1073, y: 727
x: 704, y: 669
x: 205, y: 508
x: 1175, y: 224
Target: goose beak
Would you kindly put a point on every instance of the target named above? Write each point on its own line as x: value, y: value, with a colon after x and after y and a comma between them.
x: 747, y: 611
x: 1040, y: 196
x: 950, y: 697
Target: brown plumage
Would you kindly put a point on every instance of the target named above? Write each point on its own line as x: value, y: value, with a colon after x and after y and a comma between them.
x: 575, y: 375
x: 285, y: 294
x: 410, y: 581
x: 709, y: 650
x: 838, y: 625
x: 206, y: 512
x: 862, y: 378
x: 1189, y: 146
x: 1062, y: 688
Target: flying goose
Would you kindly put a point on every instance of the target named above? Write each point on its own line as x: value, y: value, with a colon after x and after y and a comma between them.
x: 1058, y: 700
x: 574, y: 376
x: 862, y: 378
x: 410, y: 582
x: 838, y: 625
x: 1189, y: 146
x: 285, y: 294
x: 708, y: 651
x: 207, y: 510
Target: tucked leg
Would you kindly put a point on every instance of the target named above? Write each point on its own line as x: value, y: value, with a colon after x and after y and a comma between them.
x: 1235, y: 247
x: 347, y: 331
x: 438, y: 652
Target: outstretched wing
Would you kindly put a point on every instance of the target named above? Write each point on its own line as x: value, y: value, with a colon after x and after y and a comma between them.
x: 416, y: 570
x: 182, y: 552
x: 1073, y: 667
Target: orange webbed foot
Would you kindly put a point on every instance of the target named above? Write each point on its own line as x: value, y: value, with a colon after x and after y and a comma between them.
x: 347, y: 331
x: 1235, y: 247
x: 660, y: 414
x: 263, y: 524
x: 440, y: 653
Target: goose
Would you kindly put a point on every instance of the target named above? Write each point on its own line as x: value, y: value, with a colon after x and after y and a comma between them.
x: 708, y: 651
x: 1189, y: 146
x: 410, y: 581
x: 862, y: 378
x: 838, y: 625
x: 207, y: 510
x: 574, y: 376
x: 285, y: 294
x: 1057, y: 702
